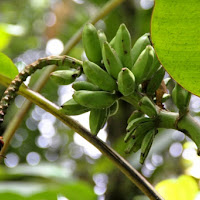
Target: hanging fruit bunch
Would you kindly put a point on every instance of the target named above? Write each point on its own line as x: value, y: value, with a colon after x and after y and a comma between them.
x: 115, y: 71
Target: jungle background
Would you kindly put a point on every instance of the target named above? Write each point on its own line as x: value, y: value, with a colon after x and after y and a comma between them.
x: 47, y: 160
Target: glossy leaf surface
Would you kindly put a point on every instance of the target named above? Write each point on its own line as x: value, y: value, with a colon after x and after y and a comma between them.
x: 175, y: 28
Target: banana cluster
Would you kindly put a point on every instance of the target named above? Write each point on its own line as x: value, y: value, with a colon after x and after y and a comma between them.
x: 114, y: 70
x: 140, y: 134
x: 117, y: 70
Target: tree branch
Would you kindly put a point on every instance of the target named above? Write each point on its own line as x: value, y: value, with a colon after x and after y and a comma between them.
x: 119, y: 161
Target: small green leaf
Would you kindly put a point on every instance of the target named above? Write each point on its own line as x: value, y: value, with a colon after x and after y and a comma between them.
x: 7, y: 67
x: 175, y: 28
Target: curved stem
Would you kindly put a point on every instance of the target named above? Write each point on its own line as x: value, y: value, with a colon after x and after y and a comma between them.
x: 170, y: 120
x: 191, y: 128
x: 119, y: 161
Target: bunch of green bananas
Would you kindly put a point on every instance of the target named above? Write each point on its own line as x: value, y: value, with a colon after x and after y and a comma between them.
x: 140, y: 134
x: 116, y: 70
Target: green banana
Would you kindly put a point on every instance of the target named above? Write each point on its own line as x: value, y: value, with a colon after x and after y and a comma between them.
x: 135, y: 144
x: 146, y: 145
x: 64, y: 77
x: 136, y: 114
x: 142, y: 65
x: 98, y: 118
x: 111, y: 60
x: 91, y: 43
x: 155, y: 81
x: 94, y: 99
x: 102, y: 37
x: 114, y: 108
x: 122, y: 45
x: 130, y: 145
x: 84, y: 85
x: 98, y: 76
x: 146, y: 126
x: 181, y: 97
x: 136, y: 131
x: 139, y: 46
x: 126, y: 82
x: 147, y: 107
x: 72, y: 108
x: 135, y: 122
x: 128, y: 135
x: 154, y: 67
x: 141, y: 132
x: 112, y: 42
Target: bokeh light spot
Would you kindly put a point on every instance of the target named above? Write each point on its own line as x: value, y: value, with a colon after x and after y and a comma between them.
x: 54, y: 47
x: 33, y: 158
x: 175, y: 149
x: 146, y: 4
x: 12, y: 160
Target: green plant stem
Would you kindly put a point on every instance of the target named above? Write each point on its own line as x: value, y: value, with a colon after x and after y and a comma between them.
x: 167, y: 119
x: 191, y: 128
x: 16, y: 121
x: 170, y: 120
x: 133, y: 99
x: 119, y: 161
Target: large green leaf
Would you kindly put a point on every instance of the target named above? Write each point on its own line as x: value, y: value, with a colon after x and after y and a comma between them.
x: 175, y: 28
x: 7, y: 67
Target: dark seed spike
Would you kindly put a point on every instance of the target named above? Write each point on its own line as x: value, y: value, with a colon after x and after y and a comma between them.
x: 11, y: 91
